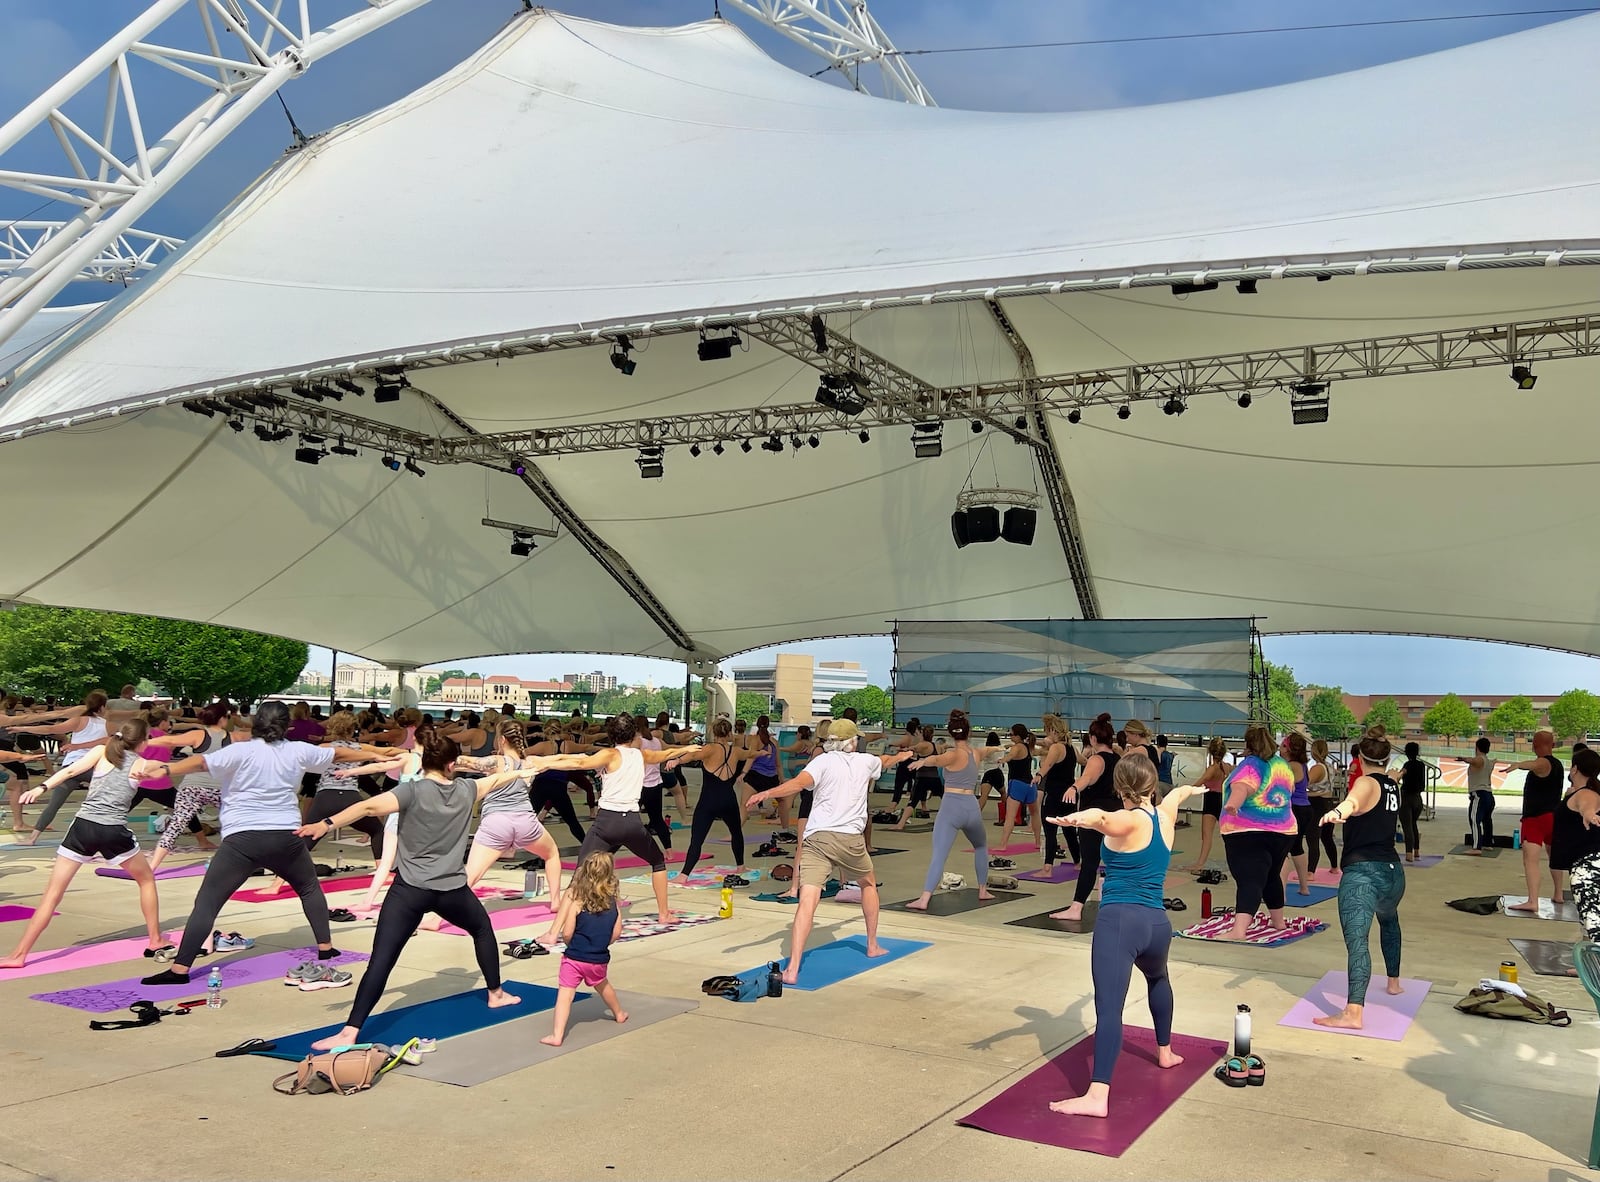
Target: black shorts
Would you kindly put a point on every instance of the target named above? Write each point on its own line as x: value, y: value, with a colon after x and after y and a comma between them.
x: 1211, y: 805
x: 760, y: 781
x: 806, y: 797
x: 87, y: 840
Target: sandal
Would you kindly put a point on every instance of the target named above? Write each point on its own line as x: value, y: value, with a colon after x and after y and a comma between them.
x: 248, y: 1046
x: 734, y: 880
x: 1233, y: 1072
x: 523, y: 949
x: 165, y: 953
x: 1175, y: 904
x: 1256, y: 1067
x: 343, y: 915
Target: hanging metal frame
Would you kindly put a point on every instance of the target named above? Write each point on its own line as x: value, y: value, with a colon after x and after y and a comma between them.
x: 844, y: 34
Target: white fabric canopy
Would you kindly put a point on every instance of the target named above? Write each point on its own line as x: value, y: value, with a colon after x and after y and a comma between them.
x: 574, y: 175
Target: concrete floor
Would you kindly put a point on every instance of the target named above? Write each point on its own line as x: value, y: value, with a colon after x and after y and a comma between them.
x: 862, y: 1080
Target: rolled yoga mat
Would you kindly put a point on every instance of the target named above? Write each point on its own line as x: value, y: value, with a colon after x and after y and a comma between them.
x: 248, y: 970
x: 1383, y: 1016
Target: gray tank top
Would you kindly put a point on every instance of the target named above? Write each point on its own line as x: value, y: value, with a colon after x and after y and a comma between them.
x: 962, y: 779
x: 110, y: 795
x: 513, y: 798
x: 1481, y: 779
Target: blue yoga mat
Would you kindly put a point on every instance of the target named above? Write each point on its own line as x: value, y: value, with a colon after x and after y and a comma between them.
x: 839, y: 961
x: 1319, y: 894
x: 443, y: 1017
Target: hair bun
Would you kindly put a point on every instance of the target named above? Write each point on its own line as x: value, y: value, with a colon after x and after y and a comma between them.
x: 1377, y: 731
x: 1102, y: 717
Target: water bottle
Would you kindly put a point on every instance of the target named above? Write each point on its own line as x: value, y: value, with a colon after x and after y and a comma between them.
x: 1516, y: 838
x: 1205, y: 903
x: 1241, y: 1032
x: 214, y: 989
x: 533, y: 884
x: 774, y: 980
x: 726, y: 910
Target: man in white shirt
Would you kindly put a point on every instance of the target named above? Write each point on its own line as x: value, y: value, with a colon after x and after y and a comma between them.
x: 835, y: 833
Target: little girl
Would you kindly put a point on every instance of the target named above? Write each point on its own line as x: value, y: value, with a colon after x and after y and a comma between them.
x: 589, y: 921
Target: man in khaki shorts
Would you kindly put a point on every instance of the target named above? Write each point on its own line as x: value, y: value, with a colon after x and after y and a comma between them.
x: 835, y: 833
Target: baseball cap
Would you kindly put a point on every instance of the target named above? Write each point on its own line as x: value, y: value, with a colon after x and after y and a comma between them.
x: 843, y: 730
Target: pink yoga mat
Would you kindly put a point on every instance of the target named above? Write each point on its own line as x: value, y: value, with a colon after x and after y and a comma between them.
x: 1383, y: 1017
x: 193, y: 870
x: 1057, y: 872
x: 249, y: 970
x: 330, y: 886
x: 84, y: 956
x: 629, y: 862
x: 1326, y: 877
x: 1140, y: 1093
x: 12, y: 913
x: 1016, y: 847
x: 516, y: 917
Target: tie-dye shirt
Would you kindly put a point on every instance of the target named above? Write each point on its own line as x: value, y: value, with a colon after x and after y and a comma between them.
x: 1265, y: 808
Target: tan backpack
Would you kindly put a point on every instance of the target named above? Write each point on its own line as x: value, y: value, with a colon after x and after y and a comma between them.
x: 347, y: 1071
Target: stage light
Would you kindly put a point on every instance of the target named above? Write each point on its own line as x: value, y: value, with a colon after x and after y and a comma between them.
x: 263, y: 433
x: 1308, y: 403
x: 1183, y: 289
x: 412, y: 467
x: 819, y: 334
x: 519, y: 469
x: 927, y: 440
x: 236, y: 424
x: 843, y: 392
x: 308, y: 455
x: 389, y: 384
x: 717, y: 448
x: 307, y: 390
x: 1173, y: 406
x: 391, y: 463
x: 1124, y: 412
x: 694, y: 450
x: 864, y: 437
x: 813, y: 441
x: 744, y: 446
x: 348, y: 386
x: 1522, y: 374
x: 272, y: 434
x: 344, y: 449
x: 1246, y: 287
x: 1020, y: 423
x: 718, y: 348
x: 977, y: 427
x: 200, y: 407
x: 796, y: 442
x: 1244, y: 400
x: 1074, y: 416
x: 621, y: 360
x: 650, y: 462
x: 773, y: 444
x: 522, y: 545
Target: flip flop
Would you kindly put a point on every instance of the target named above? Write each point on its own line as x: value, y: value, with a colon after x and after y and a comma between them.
x: 734, y: 880
x: 343, y: 915
x: 246, y: 1047
x: 1175, y: 904
x: 1233, y: 1072
x: 523, y: 949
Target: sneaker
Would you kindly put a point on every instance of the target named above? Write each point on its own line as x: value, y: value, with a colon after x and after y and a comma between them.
x: 324, y: 976
x: 298, y: 974
x: 232, y: 942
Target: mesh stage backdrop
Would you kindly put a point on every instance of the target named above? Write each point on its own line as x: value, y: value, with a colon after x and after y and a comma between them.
x: 1182, y: 677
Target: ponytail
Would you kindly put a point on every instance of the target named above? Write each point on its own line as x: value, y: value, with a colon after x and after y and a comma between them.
x: 130, y: 736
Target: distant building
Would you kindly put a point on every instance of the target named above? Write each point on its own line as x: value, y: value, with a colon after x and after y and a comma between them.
x: 495, y: 690
x: 362, y: 679
x: 1414, y: 706
x: 595, y: 683
x: 313, y: 679
x: 804, y: 686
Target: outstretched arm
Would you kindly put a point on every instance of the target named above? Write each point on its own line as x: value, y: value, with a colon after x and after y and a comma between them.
x: 66, y: 772
x: 380, y: 805
x: 1115, y: 824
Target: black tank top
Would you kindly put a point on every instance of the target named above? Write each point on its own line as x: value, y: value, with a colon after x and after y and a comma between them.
x: 1059, y: 778
x: 1570, y: 838
x: 719, y: 779
x: 1101, y: 794
x: 1369, y: 836
x: 1542, y: 794
x: 1020, y: 769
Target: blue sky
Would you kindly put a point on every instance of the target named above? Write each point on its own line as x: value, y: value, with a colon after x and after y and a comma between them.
x: 48, y: 37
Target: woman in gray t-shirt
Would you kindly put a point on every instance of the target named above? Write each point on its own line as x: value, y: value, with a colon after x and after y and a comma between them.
x: 100, y: 830
x: 435, y: 813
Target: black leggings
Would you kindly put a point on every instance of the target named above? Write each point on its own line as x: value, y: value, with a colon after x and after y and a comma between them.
x: 718, y: 802
x: 167, y: 798
x: 902, y: 780
x: 1321, y: 806
x: 1052, y: 802
x: 1410, y: 815
x: 613, y: 831
x: 280, y: 851
x: 58, y: 797
x: 549, y: 791
x: 329, y: 802
x: 650, y: 801
x: 1255, y: 860
x: 403, y: 908
x: 1305, y: 826
x: 1089, y: 864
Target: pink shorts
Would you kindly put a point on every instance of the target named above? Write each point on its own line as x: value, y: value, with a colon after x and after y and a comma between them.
x: 580, y: 972
x: 508, y: 831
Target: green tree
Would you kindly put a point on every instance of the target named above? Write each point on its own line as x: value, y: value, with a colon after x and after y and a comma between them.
x: 1385, y: 712
x: 1327, y: 717
x: 1514, y: 714
x: 63, y: 652
x: 1574, y: 714
x: 1283, y: 694
x: 1451, y: 717
x: 432, y: 685
x: 872, y: 704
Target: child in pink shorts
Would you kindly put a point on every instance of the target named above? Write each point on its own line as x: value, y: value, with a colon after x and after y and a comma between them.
x: 589, y: 921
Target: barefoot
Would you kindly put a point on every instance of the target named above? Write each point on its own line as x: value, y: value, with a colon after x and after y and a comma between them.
x: 1472, y: 853
x: 1530, y: 905
x: 430, y: 923
x: 791, y: 893
x: 1166, y: 1058
x: 499, y: 997
x: 1348, y: 1018
x: 551, y: 1040
x: 668, y: 916
x: 344, y: 1038
x: 200, y: 843
x: 621, y: 1016
x: 1395, y: 989
x: 1191, y: 869
x: 1082, y: 1106
x: 983, y: 894
x: 918, y: 904
x: 13, y: 962
x: 1305, y: 891
x: 791, y: 976
x: 875, y: 949
x: 29, y: 838
x: 892, y: 829
x: 1071, y: 914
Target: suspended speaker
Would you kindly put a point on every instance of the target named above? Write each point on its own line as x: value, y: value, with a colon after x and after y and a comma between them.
x: 958, y: 528
x: 1019, y: 525
x: 983, y: 524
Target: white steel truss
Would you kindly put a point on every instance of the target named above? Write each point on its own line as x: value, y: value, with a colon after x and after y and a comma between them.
x: 845, y: 34
x: 114, y: 169
x: 121, y: 260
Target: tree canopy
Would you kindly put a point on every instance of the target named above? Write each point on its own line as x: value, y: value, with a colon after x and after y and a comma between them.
x: 1450, y: 717
x: 1283, y: 694
x: 1385, y: 712
x: 1514, y: 714
x: 872, y: 704
x: 1326, y: 715
x: 1574, y: 714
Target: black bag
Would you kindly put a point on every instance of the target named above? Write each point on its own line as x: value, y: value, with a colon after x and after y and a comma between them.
x: 1476, y: 904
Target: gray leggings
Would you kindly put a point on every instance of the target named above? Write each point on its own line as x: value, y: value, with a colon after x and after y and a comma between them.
x: 58, y: 797
x: 959, y: 813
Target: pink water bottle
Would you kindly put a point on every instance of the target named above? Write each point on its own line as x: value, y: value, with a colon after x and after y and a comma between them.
x: 1205, y: 903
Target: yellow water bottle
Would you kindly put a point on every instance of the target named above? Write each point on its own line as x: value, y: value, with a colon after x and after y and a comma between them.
x: 726, y: 910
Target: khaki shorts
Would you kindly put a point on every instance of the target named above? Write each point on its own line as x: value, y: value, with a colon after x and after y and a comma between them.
x: 839, y: 855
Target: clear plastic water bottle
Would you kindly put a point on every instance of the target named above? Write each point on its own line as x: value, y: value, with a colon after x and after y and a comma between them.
x: 214, y: 989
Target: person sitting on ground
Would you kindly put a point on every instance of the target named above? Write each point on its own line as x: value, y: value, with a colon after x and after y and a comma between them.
x: 1541, y: 796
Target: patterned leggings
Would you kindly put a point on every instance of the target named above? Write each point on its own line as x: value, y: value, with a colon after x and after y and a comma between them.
x: 1585, y: 878
x: 186, y: 805
x: 1368, y: 891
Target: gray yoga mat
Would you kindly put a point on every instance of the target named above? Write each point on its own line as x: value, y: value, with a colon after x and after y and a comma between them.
x: 1548, y: 958
x: 1563, y: 911
x: 1042, y: 922
x: 959, y: 902
x: 1491, y: 852
x: 471, y: 1059
x: 883, y: 852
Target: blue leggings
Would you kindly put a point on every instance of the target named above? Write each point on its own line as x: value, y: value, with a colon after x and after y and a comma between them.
x: 1480, y: 818
x: 1126, y: 935
x: 959, y: 813
x: 1368, y: 891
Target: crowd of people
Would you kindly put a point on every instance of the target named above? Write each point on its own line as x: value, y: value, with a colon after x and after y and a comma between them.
x: 440, y: 801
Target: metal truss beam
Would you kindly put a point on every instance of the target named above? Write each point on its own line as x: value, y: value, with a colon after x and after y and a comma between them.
x: 1063, y: 509
x: 113, y: 167
x: 844, y: 34
x: 123, y: 259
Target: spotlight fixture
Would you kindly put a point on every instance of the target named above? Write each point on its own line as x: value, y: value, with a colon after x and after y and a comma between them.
x: 1308, y: 402
x: 717, y: 449
x: 272, y: 434
x: 977, y: 427
x: 309, y: 455
x: 200, y: 407
x: 237, y: 425
x: 348, y: 386
x: 1244, y: 400
x: 1020, y: 423
x: 694, y: 450
x: 391, y: 463
x: 522, y: 545
x: 389, y: 384
x: 864, y: 437
x: 772, y: 444
x: 1522, y: 374
x: 718, y: 348
x: 819, y: 334
x: 307, y: 390
x: 650, y: 462
x: 412, y: 467
x: 843, y: 392
x: 519, y: 469
x: 1174, y: 406
x: 927, y: 440
x: 1183, y: 289
x: 621, y: 359
x: 343, y: 449
x: 1074, y: 416
x: 1124, y: 412
x: 796, y: 442
x: 744, y: 446
x: 1246, y: 286
x: 813, y: 441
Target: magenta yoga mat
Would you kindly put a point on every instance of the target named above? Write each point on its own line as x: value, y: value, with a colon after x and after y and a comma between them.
x: 84, y: 956
x: 250, y: 970
x: 1140, y: 1093
x: 1382, y: 1017
x: 628, y: 861
x: 1056, y: 872
x: 11, y: 913
x: 1016, y: 847
x: 193, y: 870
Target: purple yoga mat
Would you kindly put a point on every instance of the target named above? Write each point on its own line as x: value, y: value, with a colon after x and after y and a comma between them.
x: 11, y: 913
x: 1423, y: 862
x: 1056, y: 872
x: 1140, y: 1093
x: 1384, y: 1017
x: 193, y: 870
x: 248, y: 970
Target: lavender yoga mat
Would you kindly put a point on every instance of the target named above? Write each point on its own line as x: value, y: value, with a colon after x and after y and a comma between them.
x: 11, y: 913
x: 193, y: 870
x: 84, y: 956
x: 1383, y: 1017
x: 1056, y: 872
x: 250, y: 970
x: 1142, y: 1093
